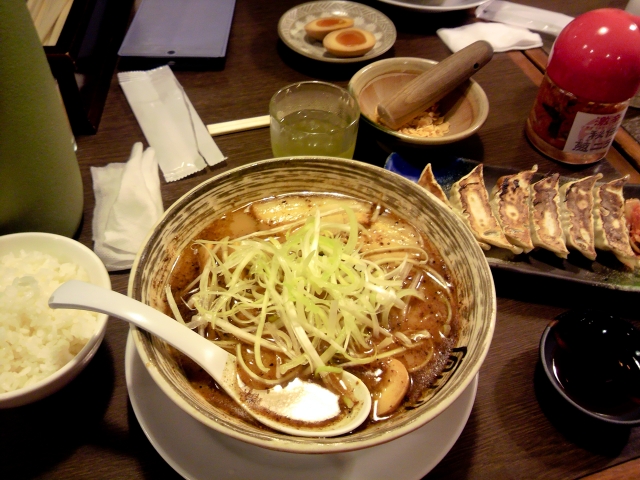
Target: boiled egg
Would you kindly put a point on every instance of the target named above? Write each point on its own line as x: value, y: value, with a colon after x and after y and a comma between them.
x: 320, y: 27
x: 349, y: 42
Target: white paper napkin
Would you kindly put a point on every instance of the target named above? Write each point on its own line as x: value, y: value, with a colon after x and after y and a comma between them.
x: 524, y: 16
x: 128, y: 204
x: 501, y: 37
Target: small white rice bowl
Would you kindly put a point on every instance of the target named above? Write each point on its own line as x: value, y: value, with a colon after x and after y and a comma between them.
x: 41, y: 349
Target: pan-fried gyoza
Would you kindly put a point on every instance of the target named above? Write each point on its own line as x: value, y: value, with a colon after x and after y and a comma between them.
x: 522, y: 214
x: 470, y: 200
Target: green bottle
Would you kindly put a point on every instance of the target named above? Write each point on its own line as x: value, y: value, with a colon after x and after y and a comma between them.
x: 40, y: 182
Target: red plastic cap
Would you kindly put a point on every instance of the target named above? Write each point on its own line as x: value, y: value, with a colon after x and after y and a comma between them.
x: 597, y: 56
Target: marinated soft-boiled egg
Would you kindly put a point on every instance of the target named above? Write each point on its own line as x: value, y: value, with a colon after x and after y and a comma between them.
x: 349, y: 42
x: 320, y: 27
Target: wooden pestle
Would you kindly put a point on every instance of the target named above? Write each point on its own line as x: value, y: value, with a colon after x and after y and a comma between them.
x: 430, y: 86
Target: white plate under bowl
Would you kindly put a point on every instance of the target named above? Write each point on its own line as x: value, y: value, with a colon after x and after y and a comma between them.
x: 291, y: 29
x: 435, y: 5
x: 197, y: 452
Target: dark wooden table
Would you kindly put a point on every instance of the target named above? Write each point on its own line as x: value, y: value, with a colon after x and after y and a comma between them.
x: 88, y: 430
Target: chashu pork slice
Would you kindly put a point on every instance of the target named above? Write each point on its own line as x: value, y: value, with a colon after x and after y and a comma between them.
x: 510, y: 204
x: 610, y: 225
x: 428, y: 181
x: 387, y: 234
x: 544, y: 216
x: 576, y: 214
x: 289, y: 208
x: 470, y: 200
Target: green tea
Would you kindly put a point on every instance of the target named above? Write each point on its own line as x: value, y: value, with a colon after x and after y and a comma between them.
x: 313, y: 132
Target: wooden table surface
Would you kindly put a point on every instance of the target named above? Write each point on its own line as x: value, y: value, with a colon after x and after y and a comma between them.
x: 89, y: 430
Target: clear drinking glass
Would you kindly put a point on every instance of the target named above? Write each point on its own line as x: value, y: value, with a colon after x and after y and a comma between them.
x: 313, y: 118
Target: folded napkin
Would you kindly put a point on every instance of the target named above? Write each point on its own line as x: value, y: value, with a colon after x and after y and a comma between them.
x: 501, y: 37
x: 128, y: 204
x: 524, y: 16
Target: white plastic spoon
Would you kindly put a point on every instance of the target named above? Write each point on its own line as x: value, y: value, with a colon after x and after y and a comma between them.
x: 314, y: 411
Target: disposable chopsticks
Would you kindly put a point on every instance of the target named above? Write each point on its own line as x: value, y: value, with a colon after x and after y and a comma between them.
x: 223, y: 128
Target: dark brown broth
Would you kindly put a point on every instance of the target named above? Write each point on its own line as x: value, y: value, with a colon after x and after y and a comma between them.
x: 428, y: 315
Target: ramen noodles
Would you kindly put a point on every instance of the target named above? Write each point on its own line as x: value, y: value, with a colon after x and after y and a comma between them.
x: 308, y: 285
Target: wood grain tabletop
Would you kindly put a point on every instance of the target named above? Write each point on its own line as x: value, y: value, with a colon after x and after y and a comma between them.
x: 517, y: 428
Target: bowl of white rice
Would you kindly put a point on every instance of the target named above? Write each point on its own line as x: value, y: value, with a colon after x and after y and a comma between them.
x: 41, y: 349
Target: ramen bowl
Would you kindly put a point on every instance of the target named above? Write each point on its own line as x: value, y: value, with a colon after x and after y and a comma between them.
x: 238, y: 187
x: 465, y: 109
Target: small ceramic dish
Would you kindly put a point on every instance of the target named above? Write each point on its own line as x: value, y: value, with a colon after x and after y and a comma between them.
x: 292, y: 33
x: 65, y: 250
x: 466, y: 108
x: 435, y: 5
x: 593, y: 361
x: 238, y: 187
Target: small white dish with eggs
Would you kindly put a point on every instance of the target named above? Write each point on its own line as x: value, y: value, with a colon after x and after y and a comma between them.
x: 304, y: 29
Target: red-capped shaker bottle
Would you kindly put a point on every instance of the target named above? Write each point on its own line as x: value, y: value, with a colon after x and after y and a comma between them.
x: 593, y: 71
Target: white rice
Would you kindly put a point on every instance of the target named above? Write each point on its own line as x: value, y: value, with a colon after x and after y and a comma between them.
x: 35, y: 340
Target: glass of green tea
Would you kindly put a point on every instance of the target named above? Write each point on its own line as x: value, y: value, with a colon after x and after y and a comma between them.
x: 313, y: 118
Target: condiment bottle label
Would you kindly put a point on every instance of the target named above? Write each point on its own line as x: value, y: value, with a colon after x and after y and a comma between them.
x: 593, y: 133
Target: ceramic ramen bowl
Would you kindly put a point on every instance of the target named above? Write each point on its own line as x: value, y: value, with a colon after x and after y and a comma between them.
x: 238, y: 187
x: 466, y: 108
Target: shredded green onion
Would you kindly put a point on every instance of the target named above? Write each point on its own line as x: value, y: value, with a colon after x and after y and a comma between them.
x: 328, y: 369
x: 306, y: 291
